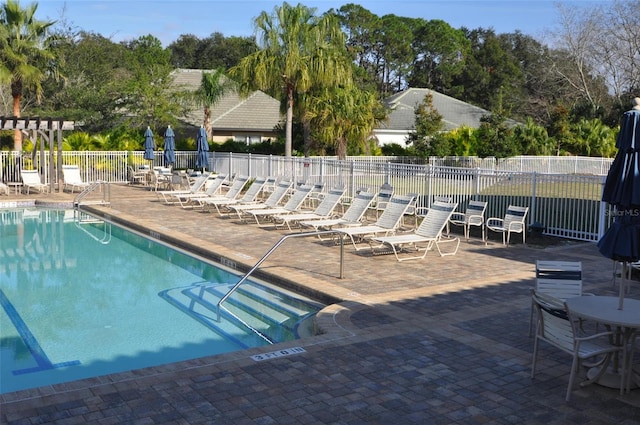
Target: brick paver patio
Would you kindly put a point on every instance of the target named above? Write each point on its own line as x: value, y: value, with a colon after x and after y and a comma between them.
x: 443, y: 340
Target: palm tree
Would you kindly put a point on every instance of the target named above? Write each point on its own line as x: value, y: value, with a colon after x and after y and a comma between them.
x: 213, y: 86
x: 297, y: 52
x: 344, y: 116
x: 25, y: 56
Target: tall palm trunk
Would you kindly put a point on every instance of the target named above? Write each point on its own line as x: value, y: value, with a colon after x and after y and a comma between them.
x: 288, y: 136
x: 16, y: 93
x: 207, y: 122
x: 341, y: 148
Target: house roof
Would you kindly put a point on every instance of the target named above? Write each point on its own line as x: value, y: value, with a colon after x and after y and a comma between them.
x: 257, y: 112
x: 455, y: 113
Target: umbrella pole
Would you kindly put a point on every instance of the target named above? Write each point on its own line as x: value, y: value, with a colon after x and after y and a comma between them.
x: 626, y: 274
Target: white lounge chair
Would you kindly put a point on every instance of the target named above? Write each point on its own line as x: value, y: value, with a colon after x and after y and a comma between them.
x: 249, y: 196
x: 513, y: 222
x: 168, y: 196
x: 272, y: 201
x: 324, y: 209
x: 352, y: 216
x: 428, y: 233
x: 213, y: 188
x: 31, y: 180
x: 263, y: 215
x: 387, y: 223
x: 473, y: 216
x: 72, y: 178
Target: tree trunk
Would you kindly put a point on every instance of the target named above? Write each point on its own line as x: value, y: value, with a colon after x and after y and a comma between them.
x: 288, y: 141
x: 17, y: 134
x: 207, y: 122
x: 342, y: 148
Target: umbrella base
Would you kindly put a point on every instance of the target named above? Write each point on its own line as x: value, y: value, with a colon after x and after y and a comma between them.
x: 611, y: 378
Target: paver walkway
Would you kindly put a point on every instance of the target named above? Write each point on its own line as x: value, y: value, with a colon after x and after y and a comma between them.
x: 438, y: 341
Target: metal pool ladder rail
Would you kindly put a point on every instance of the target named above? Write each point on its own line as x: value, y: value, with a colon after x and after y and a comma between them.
x: 104, y: 187
x: 80, y: 218
x: 271, y: 250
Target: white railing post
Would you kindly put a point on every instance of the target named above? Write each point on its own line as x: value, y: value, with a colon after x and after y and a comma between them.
x: 352, y: 177
x: 532, y: 213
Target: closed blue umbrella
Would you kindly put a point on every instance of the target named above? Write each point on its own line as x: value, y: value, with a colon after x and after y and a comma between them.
x: 202, y: 147
x: 149, y: 145
x: 169, y: 147
x: 622, y: 187
x: 621, y: 242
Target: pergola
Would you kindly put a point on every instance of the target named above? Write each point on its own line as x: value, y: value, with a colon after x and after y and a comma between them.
x: 47, y: 128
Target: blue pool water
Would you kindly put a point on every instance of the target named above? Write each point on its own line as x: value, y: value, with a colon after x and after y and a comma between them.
x: 84, y: 298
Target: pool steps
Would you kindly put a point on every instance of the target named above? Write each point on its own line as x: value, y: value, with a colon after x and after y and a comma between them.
x: 255, y: 311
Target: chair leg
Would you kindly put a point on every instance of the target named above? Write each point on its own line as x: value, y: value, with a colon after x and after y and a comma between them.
x: 531, y: 320
x: 628, y: 362
x: 535, y: 357
x: 572, y: 376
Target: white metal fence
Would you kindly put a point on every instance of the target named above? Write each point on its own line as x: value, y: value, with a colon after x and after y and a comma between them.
x: 531, y: 164
x: 566, y: 204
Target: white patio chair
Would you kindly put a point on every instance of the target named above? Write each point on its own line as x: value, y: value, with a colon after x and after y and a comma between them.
x: 382, y: 198
x: 386, y: 224
x: 557, y: 279
x: 428, y: 233
x: 324, y: 209
x: 31, y: 180
x: 628, y: 359
x: 160, y: 178
x: 557, y: 327
x: 513, y: 222
x: 315, y: 196
x: 72, y: 178
x: 473, y: 216
x: 222, y: 203
x: 137, y: 177
x: 263, y: 216
x: 352, y: 216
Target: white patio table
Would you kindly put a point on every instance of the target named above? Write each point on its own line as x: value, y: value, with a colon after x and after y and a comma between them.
x: 604, y: 310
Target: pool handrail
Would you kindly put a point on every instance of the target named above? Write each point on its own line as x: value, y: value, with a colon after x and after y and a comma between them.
x: 269, y: 252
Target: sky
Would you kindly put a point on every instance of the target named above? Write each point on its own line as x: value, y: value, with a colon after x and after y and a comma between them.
x: 168, y: 19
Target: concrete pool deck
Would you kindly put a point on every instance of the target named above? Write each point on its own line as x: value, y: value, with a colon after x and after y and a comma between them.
x: 442, y: 340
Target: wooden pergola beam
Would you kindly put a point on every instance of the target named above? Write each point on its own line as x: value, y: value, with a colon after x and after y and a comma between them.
x: 46, y: 127
x: 35, y: 123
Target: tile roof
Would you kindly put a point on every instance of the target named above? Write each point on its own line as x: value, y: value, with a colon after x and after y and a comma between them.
x: 256, y: 112
x: 455, y: 113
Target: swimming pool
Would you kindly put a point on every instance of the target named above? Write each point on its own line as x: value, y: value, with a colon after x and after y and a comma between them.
x: 82, y: 298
